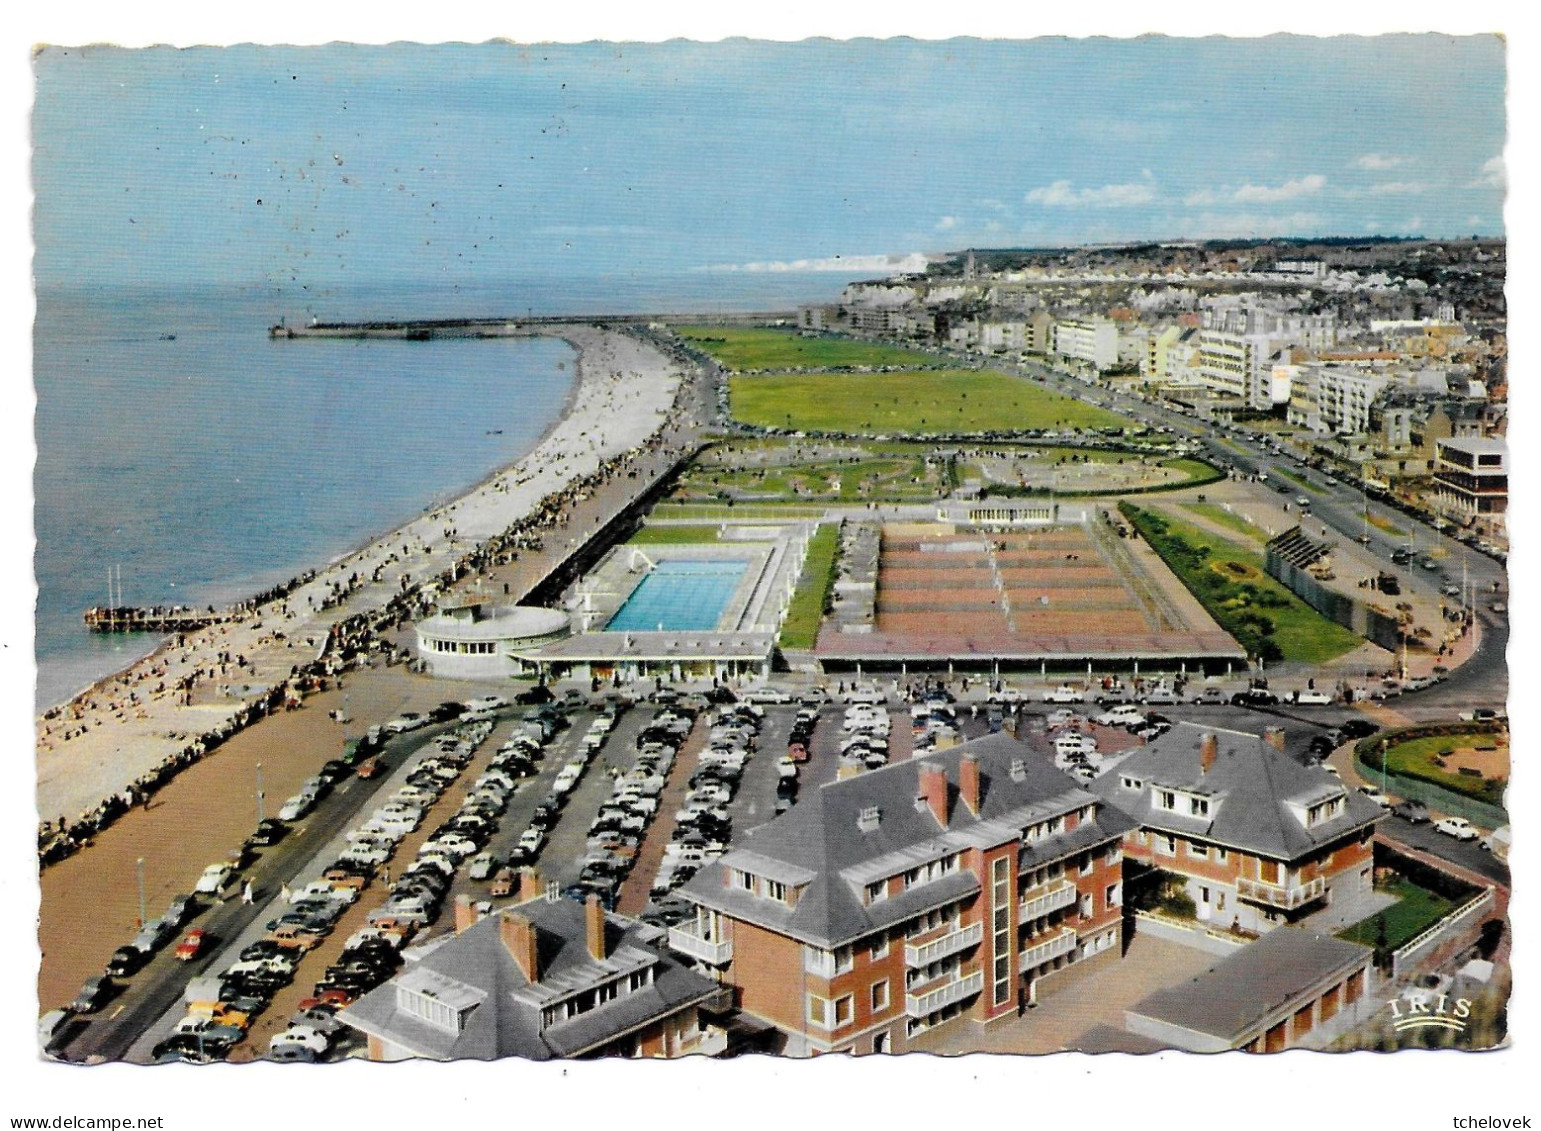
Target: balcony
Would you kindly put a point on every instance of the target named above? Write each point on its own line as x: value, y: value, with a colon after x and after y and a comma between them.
x: 691, y: 940
x: 1061, y: 893
x: 1275, y: 895
x: 923, y: 954
x: 922, y: 1005
x: 1052, y: 947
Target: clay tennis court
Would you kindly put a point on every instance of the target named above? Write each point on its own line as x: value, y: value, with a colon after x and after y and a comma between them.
x: 1056, y: 592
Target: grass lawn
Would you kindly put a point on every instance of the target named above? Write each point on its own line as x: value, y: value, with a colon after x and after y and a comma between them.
x: 656, y: 534
x: 1414, y: 758
x: 753, y: 348
x: 1302, y: 481
x: 1416, y: 910
x: 1265, y: 618
x: 948, y: 400
x: 807, y: 608
x: 1388, y: 526
x: 1227, y: 519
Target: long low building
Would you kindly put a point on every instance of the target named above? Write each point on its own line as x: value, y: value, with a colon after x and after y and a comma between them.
x: 1267, y: 997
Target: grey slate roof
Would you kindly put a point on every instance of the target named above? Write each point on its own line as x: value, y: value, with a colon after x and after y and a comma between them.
x: 475, y: 964
x: 1242, y: 992
x: 1249, y: 785
x: 820, y: 836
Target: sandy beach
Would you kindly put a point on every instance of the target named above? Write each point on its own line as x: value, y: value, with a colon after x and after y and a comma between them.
x: 128, y: 724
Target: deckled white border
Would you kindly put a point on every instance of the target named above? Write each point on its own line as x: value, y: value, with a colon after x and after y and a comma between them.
x: 1406, y: 1091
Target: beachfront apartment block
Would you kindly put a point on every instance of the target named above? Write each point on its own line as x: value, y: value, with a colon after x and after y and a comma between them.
x: 1471, y: 479
x: 949, y: 889
x: 1092, y: 340
x: 1255, y: 838
x: 546, y: 978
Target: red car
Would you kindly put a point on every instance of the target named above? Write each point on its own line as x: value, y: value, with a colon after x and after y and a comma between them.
x: 191, y: 946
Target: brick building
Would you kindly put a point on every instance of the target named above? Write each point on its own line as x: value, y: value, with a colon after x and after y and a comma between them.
x: 1256, y: 838
x: 960, y: 885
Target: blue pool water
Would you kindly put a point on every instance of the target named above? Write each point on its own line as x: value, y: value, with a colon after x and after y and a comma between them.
x: 679, y: 596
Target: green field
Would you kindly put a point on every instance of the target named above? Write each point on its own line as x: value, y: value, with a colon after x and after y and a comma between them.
x: 1265, y: 618
x: 1388, y: 526
x: 758, y: 348
x: 909, y: 402
x: 665, y: 534
x: 753, y: 472
x: 1415, y: 758
x: 1231, y: 521
x: 1416, y: 910
x: 801, y: 626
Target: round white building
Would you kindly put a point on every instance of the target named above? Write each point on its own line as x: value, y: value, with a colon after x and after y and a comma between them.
x: 485, y: 641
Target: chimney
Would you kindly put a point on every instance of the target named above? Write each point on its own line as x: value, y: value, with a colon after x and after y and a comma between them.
x: 594, y: 927
x: 519, y: 937
x: 465, y: 913
x: 933, y: 791
x: 968, y: 781
x: 1274, y: 736
x: 1209, y: 748
x: 530, y: 886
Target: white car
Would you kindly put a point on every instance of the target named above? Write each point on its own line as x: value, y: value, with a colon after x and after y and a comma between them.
x: 403, y: 723
x: 868, y: 695
x: 1124, y: 715
x: 214, y: 877
x: 486, y: 703
x: 1376, y: 796
x: 1063, y: 717
x: 296, y: 807
x: 483, y: 866
x: 1313, y: 698
x: 1064, y: 694
x: 531, y: 840
x: 1458, y: 827
x: 306, y: 1038
x: 1067, y: 744
x: 768, y: 695
x: 1162, y: 696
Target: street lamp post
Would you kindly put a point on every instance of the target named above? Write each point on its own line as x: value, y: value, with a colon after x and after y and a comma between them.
x: 139, y: 870
x: 259, y: 793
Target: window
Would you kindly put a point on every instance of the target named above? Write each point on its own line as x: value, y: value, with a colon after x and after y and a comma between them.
x: 1268, y: 871
x: 935, y: 870
x: 880, y: 946
x: 1198, y: 806
x: 1165, y: 799
x: 1114, y: 895
x: 1088, y: 905
x: 1197, y: 849
x: 1086, y: 864
x: 1001, y: 927
x: 1222, y: 854
x: 879, y: 995
x: 820, y: 1011
x: 877, y: 891
x: 743, y: 880
x: 776, y: 890
x: 1131, y: 783
x: 844, y: 956
x: 1166, y: 844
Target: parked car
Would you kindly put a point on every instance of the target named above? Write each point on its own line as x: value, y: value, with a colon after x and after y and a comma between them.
x: 1376, y: 796
x: 1414, y: 811
x: 1064, y: 694
x: 1458, y: 827
x: 214, y: 878
x: 1312, y: 698
x: 191, y: 945
x: 125, y: 961
x: 1211, y: 695
x: 92, y: 994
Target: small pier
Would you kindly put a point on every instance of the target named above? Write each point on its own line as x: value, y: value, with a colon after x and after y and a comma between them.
x: 158, y: 618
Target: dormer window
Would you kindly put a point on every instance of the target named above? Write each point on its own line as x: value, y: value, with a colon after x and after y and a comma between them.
x: 877, y: 891
x: 1198, y: 806
x: 1165, y: 799
x: 1324, y: 811
x: 1131, y: 783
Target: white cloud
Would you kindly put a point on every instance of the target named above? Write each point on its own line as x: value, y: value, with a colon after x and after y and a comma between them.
x: 1063, y: 194
x: 1378, y: 162
x: 1492, y: 175
x: 947, y: 223
x: 1388, y: 188
x: 891, y: 264
x: 1257, y: 194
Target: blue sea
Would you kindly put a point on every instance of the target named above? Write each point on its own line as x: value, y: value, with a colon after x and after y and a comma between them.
x: 181, y: 446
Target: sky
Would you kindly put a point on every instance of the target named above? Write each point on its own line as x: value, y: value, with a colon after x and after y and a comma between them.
x: 345, y: 164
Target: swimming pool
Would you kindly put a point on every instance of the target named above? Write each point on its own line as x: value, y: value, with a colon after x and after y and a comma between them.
x: 680, y: 596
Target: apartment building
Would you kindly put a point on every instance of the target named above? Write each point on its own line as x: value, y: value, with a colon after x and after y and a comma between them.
x: 957, y: 886
x: 1335, y: 399
x: 1255, y: 838
x: 1239, y: 366
x: 544, y: 979
x: 1471, y: 478
x: 1092, y: 340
